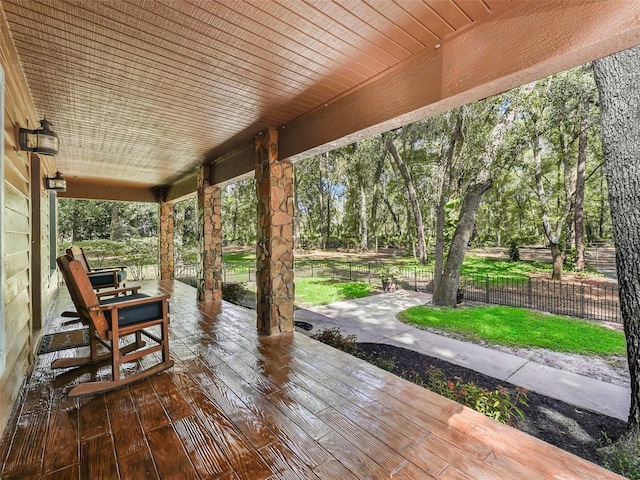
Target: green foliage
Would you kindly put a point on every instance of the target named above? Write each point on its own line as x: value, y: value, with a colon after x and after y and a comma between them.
x: 333, y: 337
x: 239, y: 212
x: 138, y: 254
x: 189, y: 254
x: 388, y: 364
x: 499, y: 404
x: 622, y: 458
x: 322, y: 291
x: 570, y: 259
x: 80, y: 220
x: 234, y: 291
x: 518, y: 327
x: 389, y: 273
x: 349, y: 344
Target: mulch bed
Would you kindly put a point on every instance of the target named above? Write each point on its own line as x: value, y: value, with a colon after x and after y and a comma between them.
x: 570, y: 428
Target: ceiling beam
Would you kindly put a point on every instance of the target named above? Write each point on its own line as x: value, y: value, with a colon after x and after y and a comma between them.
x: 522, y: 44
x: 108, y: 190
x: 182, y: 188
x: 235, y: 165
x: 518, y: 45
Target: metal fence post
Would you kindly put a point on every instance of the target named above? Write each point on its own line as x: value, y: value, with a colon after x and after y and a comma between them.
x: 486, y: 295
x: 415, y: 278
x: 350, y: 279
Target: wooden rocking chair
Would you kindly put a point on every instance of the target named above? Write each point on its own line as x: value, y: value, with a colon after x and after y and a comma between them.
x: 111, y: 321
x: 103, y: 297
x: 107, y: 277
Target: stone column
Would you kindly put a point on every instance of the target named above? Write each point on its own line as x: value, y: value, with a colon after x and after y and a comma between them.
x: 166, y: 241
x: 210, y: 238
x: 274, y: 249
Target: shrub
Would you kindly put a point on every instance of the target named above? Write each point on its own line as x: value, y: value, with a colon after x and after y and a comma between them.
x: 349, y: 344
x: 234, y: 291
x: 333, y: 337
x: 622, y: 458
x: 388, y: 364
x: 499, y: 404
x: 570, y: 259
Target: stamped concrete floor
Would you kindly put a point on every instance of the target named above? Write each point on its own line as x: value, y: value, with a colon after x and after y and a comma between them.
x: 238, y: 405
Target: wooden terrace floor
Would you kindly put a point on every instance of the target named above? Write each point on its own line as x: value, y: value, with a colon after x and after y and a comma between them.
x: 241, y: 406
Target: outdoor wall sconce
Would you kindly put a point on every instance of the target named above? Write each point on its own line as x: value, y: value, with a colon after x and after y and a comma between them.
x: 57, y: 183
x: 41, y: 140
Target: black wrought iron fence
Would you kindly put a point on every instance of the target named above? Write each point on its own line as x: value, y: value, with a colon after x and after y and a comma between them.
x: 582, y: 300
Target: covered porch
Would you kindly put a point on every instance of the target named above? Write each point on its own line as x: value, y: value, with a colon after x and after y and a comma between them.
x: 239, y: 405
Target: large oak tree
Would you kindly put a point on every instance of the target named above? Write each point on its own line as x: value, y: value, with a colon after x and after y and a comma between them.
x: 618, y: 80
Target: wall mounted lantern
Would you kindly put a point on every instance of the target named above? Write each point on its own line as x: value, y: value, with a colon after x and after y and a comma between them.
x: 41, y: 140
x: 57, y: 183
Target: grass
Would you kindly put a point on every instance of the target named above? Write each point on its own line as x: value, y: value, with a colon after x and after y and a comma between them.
x: 239, y: 256
x: 517, y: 327
x: 322, y: 291
x: 473, y: 265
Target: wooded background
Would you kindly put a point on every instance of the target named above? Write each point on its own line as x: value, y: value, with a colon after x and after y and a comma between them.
x: 531, y: 156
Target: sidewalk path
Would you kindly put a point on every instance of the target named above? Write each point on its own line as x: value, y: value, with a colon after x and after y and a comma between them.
x: 373, y: 319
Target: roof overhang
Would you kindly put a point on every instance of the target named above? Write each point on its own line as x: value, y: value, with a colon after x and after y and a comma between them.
x: 507, y: 45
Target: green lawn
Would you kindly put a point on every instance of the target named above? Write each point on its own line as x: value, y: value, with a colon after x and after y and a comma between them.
x: 517, y: 327
x: 239, y: 256
x: 322, y: 291
x: 473, y: 265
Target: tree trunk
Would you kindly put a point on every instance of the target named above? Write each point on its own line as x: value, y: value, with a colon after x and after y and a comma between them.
x: 363, y: 216
x: 580, y: 181
x: 558, y: 261
x: 373, y: 219
x: 178, y: 231
x: 394, y: 216
x: 75, y: 222
x: 443, y: 177
x: 296, y: 216
x: 552, y: 237
x: 440, y: 217
x: 618, y: 80
x: 114, y: 228
x: 413, y: 198
x: 447, y: 288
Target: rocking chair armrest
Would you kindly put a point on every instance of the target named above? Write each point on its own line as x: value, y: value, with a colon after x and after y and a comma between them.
x: 117, y: 292
x: 106, y: 270
x: 131, y: 303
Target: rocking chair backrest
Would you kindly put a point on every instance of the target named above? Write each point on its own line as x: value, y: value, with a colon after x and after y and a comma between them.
x: 85, y: 298
x: 77, y: 253
x: 63, y: 265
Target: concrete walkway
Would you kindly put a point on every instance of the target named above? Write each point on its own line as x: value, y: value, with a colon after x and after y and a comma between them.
x: 373, y: 319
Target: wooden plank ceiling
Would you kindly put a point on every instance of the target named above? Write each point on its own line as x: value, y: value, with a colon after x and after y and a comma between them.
x: 142, y: 92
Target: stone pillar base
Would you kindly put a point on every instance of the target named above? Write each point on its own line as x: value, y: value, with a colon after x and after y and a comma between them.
x: 274, y: 249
